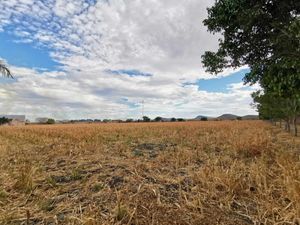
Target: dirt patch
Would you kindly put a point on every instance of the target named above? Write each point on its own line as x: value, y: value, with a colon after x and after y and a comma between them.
x: 115, y: 182
x: 152, y: 149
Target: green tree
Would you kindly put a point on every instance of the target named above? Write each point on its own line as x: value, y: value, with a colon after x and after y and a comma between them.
x: 173, y: 119
x: 273, y: 107
x: 50, y: 121
x: 146, y: 119
x: 254, y: 32
x: 265, y: 36
x: 4, y: 120
x: 158, y: 119
x: 203, y: 119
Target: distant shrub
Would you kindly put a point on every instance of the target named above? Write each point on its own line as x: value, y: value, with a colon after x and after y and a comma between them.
x: 146, y: 119
x: 203, y: 119
x: 4, y: 120
x: 50, y: 121
x: 173, y: 119
x: 158, y: 119
x: 180, y: 120
x: 129, y: 120
x: 239, y: 118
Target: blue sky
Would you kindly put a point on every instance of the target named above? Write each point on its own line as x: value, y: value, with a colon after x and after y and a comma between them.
x: 220, y: 84
x: 32, y: 56
x: 24, y: 54
x: 101, y: 59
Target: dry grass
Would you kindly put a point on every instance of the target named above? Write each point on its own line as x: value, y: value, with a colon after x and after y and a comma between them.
x: 158, y: 173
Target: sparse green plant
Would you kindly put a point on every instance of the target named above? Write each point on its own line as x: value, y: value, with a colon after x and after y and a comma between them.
x: 51, y: 181
x: 3, y: 194
x: 47, y: 205
x: 121, y: 212
x: 98, y: 187
x: 76, y: 174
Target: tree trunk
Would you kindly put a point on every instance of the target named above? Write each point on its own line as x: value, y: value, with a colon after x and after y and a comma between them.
x: 288, y: 126
x: 280, y: 123
x: 295, y: 126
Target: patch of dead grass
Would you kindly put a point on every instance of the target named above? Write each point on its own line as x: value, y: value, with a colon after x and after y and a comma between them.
x: 229, y: 172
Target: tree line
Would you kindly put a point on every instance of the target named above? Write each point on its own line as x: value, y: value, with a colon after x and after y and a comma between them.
x: 265, y: 36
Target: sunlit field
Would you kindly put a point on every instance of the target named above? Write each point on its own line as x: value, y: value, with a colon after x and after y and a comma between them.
x: 231, y: 172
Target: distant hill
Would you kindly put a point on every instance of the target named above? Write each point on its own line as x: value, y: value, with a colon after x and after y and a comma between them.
x: 227, y: 117
x: 201, y: 116
x: 250, y: 117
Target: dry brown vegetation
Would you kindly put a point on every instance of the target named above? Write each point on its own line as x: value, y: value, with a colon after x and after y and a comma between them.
x: 234, y: 172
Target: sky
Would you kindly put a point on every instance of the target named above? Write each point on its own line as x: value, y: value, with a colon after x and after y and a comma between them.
x: 75, y: 59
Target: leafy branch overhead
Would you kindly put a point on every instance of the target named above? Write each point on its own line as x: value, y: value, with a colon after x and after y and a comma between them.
x: 263, y: 35
x: 4, y: 70
x: 254, y: 33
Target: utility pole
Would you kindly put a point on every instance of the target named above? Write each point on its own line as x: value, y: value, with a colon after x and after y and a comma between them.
x: 143, y: 109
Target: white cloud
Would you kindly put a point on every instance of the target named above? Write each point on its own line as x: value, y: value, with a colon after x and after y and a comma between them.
x: 163, y: 38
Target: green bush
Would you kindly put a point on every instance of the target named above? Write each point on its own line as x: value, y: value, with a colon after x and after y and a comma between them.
x: 4, y: 120
x: 146, y: 119
x: 50, y: 121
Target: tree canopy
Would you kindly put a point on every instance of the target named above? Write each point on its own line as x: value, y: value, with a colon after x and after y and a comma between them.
x: 146, y: 119
x: 265, y: 36
x: 4, y: 120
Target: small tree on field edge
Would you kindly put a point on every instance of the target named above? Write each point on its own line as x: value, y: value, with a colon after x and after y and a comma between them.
x: 50, y: 121
x: 146, y: 119
x: 4, y: 120
x: 158, y: 119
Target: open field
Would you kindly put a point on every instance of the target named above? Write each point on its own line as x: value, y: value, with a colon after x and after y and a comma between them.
x: 234, y: 172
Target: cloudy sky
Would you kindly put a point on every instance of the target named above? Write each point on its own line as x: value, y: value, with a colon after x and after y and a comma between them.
x: 102, y: 58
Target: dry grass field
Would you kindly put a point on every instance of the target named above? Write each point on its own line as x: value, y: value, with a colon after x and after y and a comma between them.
x: 234, y: 172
